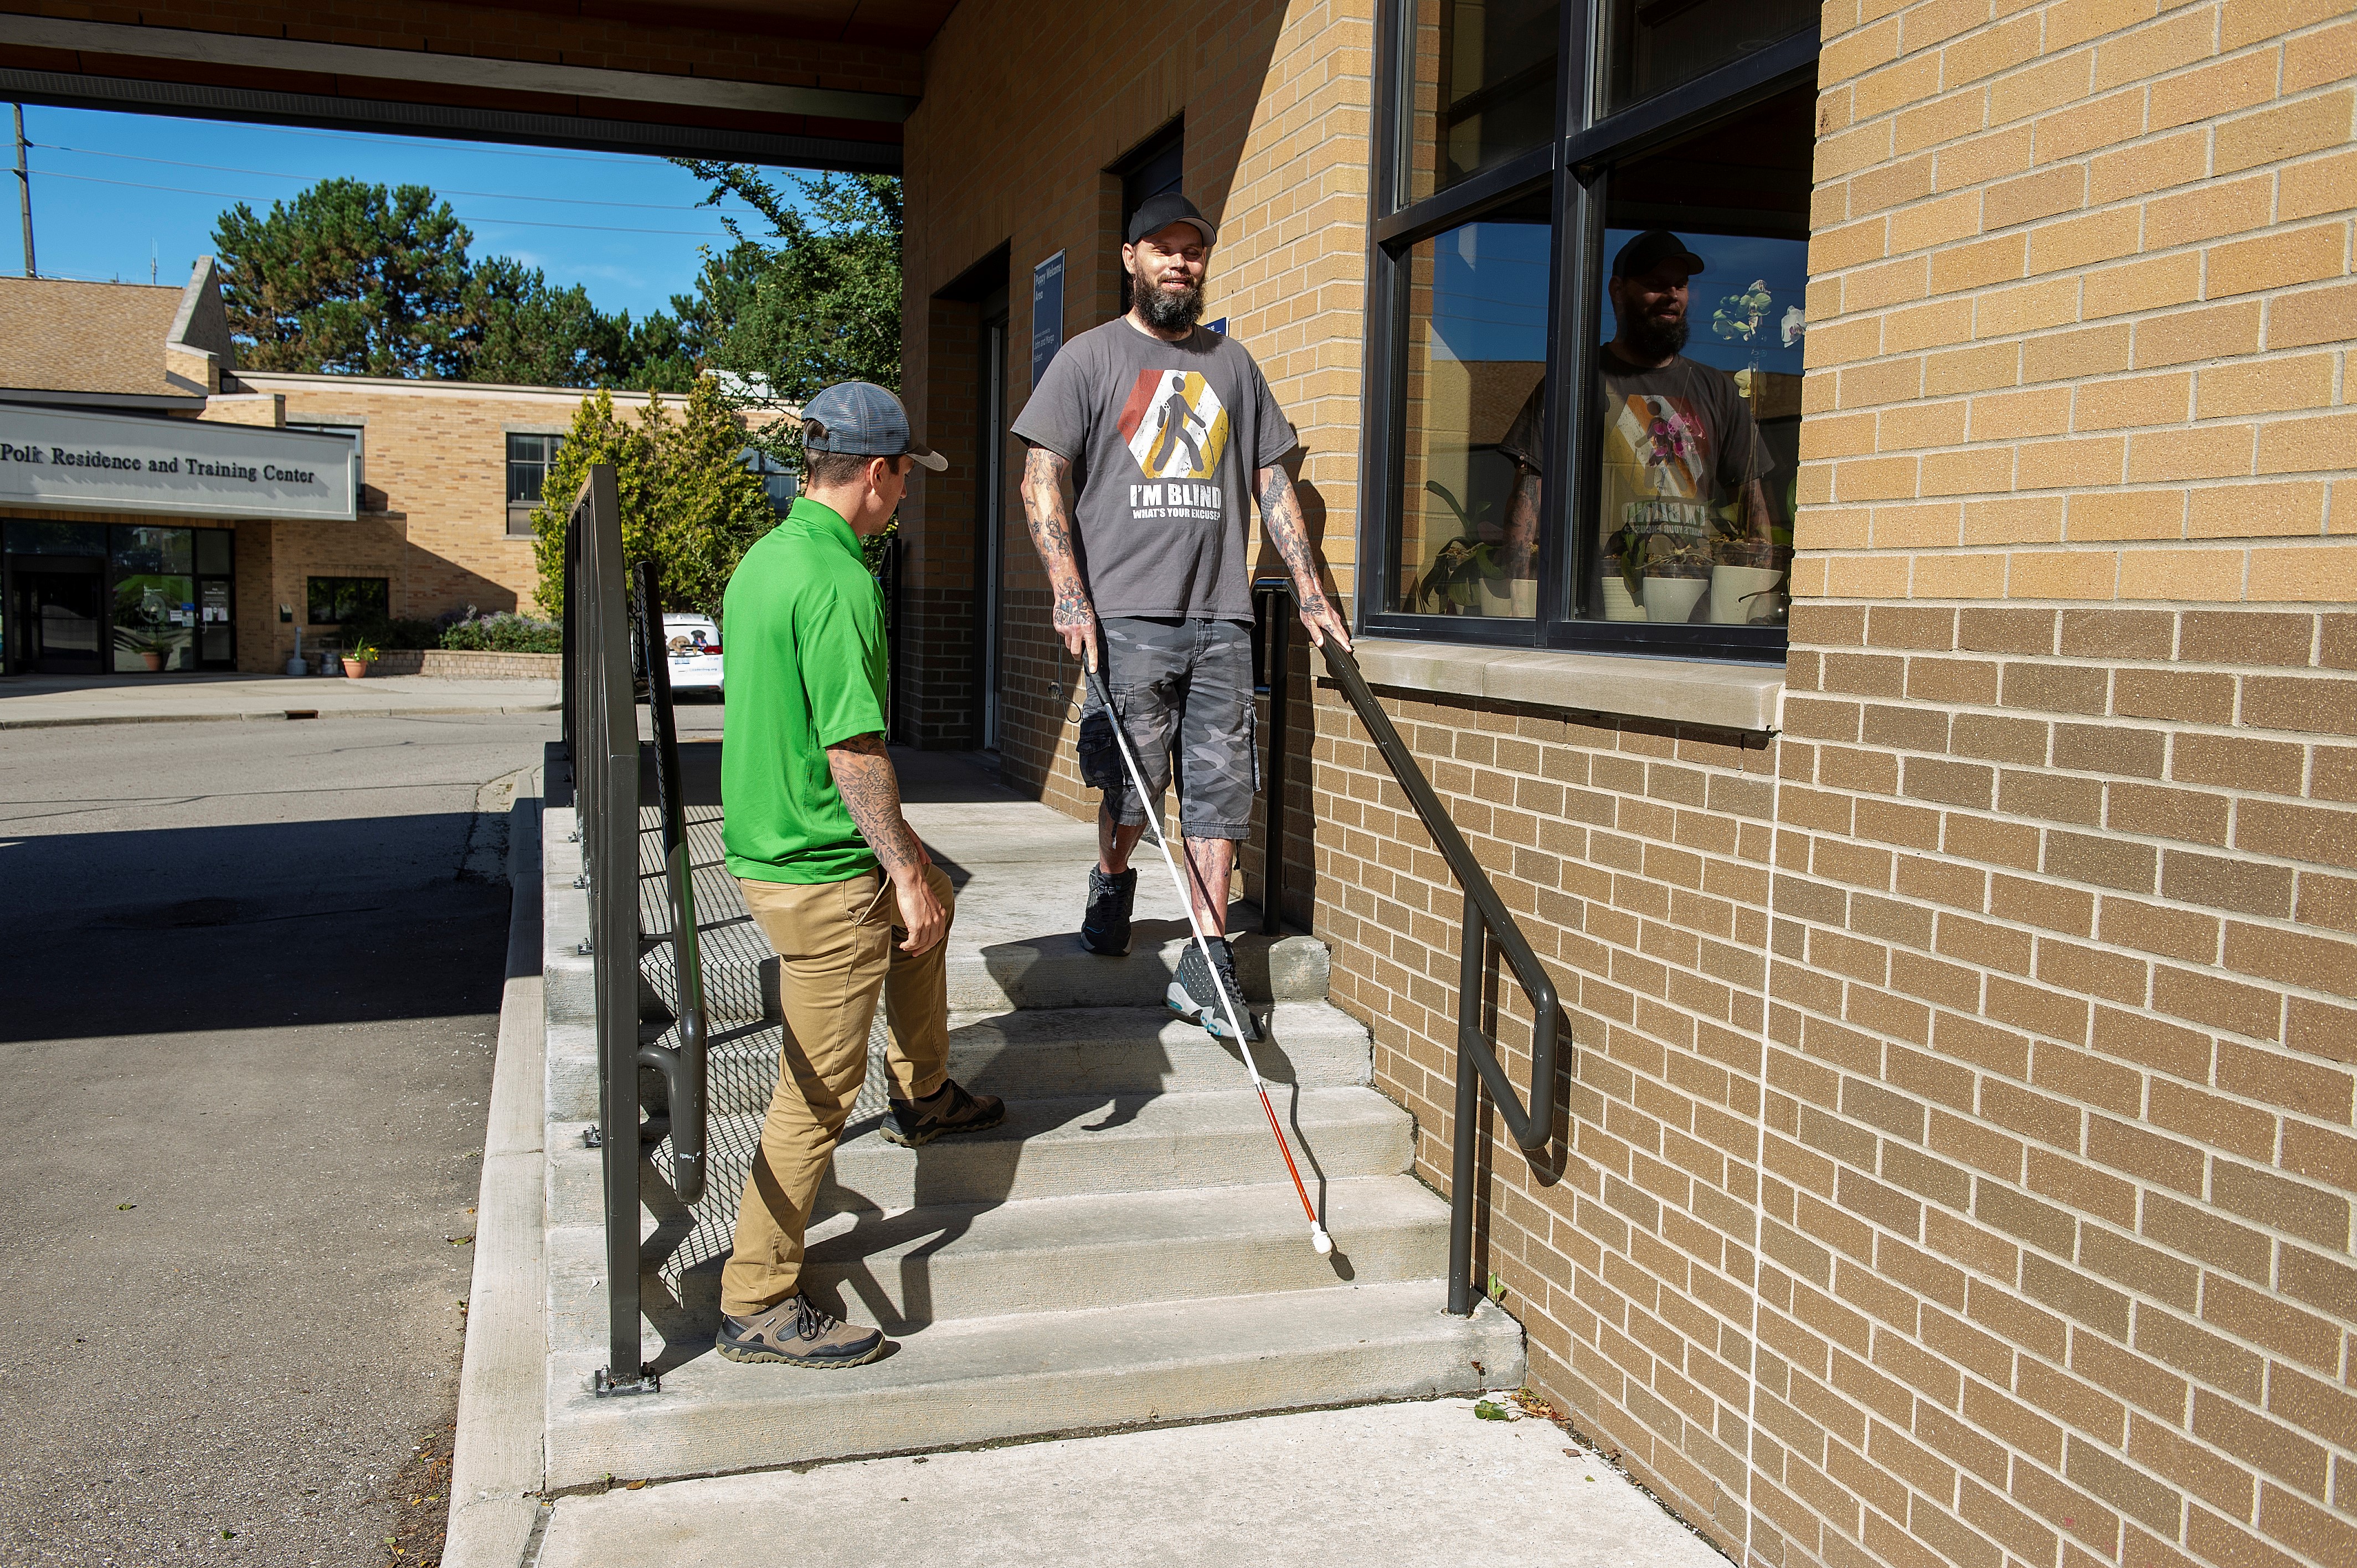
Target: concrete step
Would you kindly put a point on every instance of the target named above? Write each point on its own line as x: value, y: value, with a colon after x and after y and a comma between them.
x: 925, y: 1265
x: 989, y: 1378
x: 910, y: 1268
x: 1076, y: 1051
x: 1046, y: 1148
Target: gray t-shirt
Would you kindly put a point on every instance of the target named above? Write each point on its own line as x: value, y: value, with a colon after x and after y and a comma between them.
x: 1163, y: 439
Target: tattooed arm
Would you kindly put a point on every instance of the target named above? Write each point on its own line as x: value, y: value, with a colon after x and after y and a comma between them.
x: 1051, y: 518
x: 871, y: 792
x: 1280, y: 513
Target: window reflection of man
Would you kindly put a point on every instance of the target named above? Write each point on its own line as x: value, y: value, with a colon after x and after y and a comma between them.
x: 1679, y: 442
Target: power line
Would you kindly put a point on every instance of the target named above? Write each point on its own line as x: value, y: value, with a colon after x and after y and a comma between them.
x: 272, y: 174
x: 502, y: 222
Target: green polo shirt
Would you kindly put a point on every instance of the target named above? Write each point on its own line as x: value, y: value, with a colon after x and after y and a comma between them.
x: 802, y: 661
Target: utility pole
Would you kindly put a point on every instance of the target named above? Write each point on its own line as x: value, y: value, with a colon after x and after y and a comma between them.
x: 24, y: 190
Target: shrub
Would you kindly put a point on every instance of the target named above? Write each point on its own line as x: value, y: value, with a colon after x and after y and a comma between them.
x: 504, y: 633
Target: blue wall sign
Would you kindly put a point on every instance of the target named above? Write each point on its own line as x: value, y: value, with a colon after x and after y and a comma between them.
x: 1047, y: 314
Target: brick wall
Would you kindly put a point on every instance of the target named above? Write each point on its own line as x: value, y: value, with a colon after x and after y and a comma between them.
x: 1275, y: 98
x: 434, y: 507
x: 1959, y: 1147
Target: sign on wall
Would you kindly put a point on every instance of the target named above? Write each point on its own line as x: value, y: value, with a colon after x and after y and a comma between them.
x: 114, y: 462
x: 1047, y: 314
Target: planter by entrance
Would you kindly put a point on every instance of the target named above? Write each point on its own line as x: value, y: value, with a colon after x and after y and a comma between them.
x: 355, y: 669
x: 154, y: 662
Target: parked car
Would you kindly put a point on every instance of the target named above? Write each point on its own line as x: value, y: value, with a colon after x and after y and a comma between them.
x: 695, y: 643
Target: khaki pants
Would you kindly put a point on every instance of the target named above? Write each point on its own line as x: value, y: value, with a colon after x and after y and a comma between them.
x: 837, y: 945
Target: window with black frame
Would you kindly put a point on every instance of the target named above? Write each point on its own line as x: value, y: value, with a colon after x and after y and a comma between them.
x: 1644, y: 240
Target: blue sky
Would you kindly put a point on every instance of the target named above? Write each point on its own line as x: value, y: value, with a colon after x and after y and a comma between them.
x: 111, y: 191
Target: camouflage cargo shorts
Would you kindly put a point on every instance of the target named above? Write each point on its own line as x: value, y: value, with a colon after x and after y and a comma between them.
x: 1182, y: 688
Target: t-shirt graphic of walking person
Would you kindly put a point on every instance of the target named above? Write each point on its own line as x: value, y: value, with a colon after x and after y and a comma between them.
x: 1163, y: 439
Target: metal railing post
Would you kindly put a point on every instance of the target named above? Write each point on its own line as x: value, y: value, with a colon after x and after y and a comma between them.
x: 1280, y: 631
x: 1487, y: 920
x: 605, y: 794
x: 682, y: 1066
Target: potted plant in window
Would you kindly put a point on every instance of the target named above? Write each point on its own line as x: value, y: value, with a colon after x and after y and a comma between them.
x: 1745, y: 581
x: 1623, y: 596
x: 1677, y: 575
x: 357, y: 658
x: 1471, y: 577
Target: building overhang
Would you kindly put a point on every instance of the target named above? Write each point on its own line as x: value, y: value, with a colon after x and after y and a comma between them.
x: 125, y: 462
x: 772, y: 85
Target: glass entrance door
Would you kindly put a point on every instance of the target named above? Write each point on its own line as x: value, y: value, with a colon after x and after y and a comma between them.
x: 59, y: 605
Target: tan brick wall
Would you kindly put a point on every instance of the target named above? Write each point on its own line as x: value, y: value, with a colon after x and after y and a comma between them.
x: 1275, y: 98
x: 433, y: 516
x: 1959, y: 1148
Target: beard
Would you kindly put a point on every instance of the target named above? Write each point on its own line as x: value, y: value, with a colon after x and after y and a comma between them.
x: 1658, y: 337
x: 1168, y: 312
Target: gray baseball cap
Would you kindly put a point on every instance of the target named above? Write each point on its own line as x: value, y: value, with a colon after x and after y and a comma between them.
x: 862, y: 420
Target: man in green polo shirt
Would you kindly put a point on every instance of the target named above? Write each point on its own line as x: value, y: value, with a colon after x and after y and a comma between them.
x: 831, y: 870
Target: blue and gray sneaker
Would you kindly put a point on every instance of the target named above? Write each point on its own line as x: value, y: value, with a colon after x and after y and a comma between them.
x: 1104, y: 927
x: 1195, y: 991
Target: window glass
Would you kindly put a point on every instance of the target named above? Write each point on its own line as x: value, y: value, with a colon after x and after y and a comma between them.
x: 31, y: 538
x: 155, y: 616
x: 779, y: 480
x: 1476, y: 354
x: 1696, y: 395
x: 154, y: 549
x: 216, y: 548
x: 1477, y: 87
x: 528, y: 458
x: 335, y: 600
x: 1651, y: 45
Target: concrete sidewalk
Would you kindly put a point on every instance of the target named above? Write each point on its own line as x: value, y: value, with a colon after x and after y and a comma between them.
x: 44, y: 702
x: 1399, y: 1485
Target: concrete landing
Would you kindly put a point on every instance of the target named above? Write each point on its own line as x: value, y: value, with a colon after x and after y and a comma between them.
x: 1405, y: 1486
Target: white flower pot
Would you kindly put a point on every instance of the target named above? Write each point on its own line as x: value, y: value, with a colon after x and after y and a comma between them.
x: 1618, y: 605
x: 1673, y: 599
x: 1519, y: 601
x: 1733, y: 591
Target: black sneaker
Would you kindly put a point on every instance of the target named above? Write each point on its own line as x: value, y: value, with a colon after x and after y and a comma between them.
x: 1105, y: 927
x: 1193, y: 992
x: 799, y: 1335
x: 949, y: 1109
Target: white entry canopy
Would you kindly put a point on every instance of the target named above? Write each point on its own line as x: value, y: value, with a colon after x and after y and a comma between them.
x: 113, y: 462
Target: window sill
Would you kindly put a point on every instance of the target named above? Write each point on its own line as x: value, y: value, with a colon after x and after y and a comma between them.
x: 1706, y: 692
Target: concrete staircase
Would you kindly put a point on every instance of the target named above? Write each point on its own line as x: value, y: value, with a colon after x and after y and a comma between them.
x: 1124, y: 1249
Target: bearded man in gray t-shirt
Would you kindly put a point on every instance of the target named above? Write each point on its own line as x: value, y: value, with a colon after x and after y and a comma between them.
x: 1159, y: 425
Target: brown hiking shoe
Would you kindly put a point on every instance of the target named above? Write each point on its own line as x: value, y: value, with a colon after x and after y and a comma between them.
x: 798, y: 1334
x: 949, y: 1109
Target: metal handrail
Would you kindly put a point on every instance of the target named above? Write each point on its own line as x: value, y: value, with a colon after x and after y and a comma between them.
x: 682, y: 1066
x: 1487, y: 920
x: 601, y: 743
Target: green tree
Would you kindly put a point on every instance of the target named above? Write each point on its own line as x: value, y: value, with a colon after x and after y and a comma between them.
x: 516, y: 327
x: 349, y: 279
x: 688, y: 502
x: 817, y: 302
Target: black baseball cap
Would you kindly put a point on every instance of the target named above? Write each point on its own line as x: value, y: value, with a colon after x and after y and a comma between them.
x: 1157, y: 213
x: 1649, y: 249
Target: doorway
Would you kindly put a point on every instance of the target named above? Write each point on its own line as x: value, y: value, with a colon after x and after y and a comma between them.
x: 992, y: 512
x: 59, y: 606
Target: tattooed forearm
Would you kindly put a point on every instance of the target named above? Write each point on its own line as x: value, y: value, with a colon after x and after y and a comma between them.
x: 1051, y: 520
x: 1280, y: 513
x: 871, y: 793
